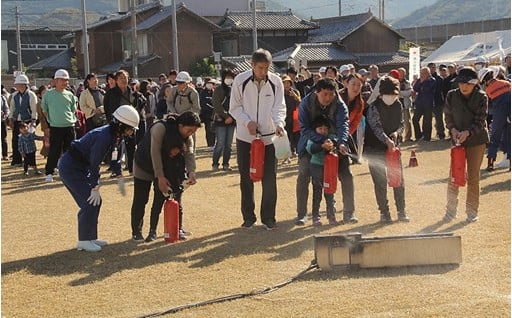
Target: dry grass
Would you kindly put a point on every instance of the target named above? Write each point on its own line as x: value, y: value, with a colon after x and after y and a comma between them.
x: 43, y: 274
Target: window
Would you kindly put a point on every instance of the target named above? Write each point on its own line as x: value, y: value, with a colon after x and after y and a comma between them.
x: 44, y: 47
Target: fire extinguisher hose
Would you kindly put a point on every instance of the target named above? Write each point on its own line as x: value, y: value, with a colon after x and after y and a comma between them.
x: 254, y: 292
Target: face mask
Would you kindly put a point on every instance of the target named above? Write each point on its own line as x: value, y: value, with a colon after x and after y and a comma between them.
x: 228, y: 81
x: 209, y: 86
x: 389, y: 99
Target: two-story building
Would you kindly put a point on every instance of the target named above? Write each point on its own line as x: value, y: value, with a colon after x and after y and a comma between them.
x: 110, y: 44
x: 360, y: 39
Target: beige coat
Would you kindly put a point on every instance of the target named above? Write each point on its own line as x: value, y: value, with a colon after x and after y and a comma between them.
x: 87, y: 104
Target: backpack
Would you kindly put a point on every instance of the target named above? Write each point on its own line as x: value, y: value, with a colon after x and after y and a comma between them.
x: 188, y: 96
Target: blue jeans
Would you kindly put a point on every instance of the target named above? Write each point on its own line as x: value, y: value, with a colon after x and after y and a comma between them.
x: 224, y: 136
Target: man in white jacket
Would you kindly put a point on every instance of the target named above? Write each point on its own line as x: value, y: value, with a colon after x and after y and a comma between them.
x: 257, y: 104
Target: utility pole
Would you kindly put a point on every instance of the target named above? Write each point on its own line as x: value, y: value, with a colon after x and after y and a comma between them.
x: 383, y: 16
x: 339, y: 8
x: 135, y: 72
x: 254, y: 30
x: 85, y: 40
x: 175, y: 57
x: 18, y: 40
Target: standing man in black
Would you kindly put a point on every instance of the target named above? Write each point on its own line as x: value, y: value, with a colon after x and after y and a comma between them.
x: 438, y: 101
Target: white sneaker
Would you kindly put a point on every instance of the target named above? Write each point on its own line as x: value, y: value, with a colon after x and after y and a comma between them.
x: 502, y: 164
x: 49, y: 178
x: 88, y: 246
x: 100, y: 243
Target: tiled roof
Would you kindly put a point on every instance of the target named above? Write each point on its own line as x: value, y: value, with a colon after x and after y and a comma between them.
x: 119, y: 17
x: 141, y: 60
x: 314, y: 52
x: 242, y: 63
x: 166, y: 12
x: 338, y: 28
x: 382, y: 59
x: 266, y: 20
x: 59, y: 60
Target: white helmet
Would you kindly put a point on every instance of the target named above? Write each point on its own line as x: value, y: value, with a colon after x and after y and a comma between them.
x: 481, y: 59
x: 21, y: 79
x: 127, y: 115
x: 61, y: 73
x: 486, y: 70
x: 183, y: 77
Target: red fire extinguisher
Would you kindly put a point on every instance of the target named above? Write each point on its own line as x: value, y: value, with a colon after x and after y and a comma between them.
x: 331, y: 161
x: 257, y: 159
x: 458, y: 166
x: 393, y: 168
x: 171, y: 220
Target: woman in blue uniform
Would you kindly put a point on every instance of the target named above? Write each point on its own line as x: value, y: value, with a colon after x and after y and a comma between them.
x: 79, y: 171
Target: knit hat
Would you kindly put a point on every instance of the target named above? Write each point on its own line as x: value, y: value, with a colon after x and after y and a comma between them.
x: 389, y: 86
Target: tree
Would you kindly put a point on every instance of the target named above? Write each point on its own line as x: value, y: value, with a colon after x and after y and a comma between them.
x: 202, y: 67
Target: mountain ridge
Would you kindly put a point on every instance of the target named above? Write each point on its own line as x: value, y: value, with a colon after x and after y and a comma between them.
x: 398, y: 13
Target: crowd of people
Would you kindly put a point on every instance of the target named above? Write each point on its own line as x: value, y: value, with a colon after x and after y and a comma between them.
x: 354, y: 114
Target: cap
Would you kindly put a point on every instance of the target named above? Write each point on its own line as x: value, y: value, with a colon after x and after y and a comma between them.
x: 451, y: 65
x: 466, y: 75
x: 363, y: 72
x: 350, y: 66
x: 394, y: 73
x: 134, y: 81
x: 373, y: 67
x: 287, y: 78
x: 322, y: 69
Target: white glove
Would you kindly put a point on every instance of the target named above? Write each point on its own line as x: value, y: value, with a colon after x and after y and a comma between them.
x: 121, y: 186
x: 94, y: 199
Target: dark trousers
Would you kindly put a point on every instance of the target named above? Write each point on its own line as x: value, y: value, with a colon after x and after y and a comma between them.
x: 304, y: 178
x: 89, y: 124
x: 140, y: 199
x: 317, y: 173
x: 426, y: 131
x: 75, y: 176
x: 377, y: 166
x: 500, y: 131
x: 210, y: 133
x: 16, y: 156
x: 293, y: 137
x: 130, y: 143
x: 29, y: 160
x: 268, y: 183
x: 438, y: 114
x: 60, y: 140
x: 4, y: 140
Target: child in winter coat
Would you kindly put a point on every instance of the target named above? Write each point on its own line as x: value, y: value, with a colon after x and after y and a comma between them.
x: 27, y: 147
x: 321, y: 124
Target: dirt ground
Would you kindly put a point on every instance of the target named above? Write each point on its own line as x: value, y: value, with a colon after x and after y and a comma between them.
x: 44, y: 275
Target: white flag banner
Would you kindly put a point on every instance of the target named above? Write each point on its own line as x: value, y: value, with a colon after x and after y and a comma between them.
x: 414, y: 63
